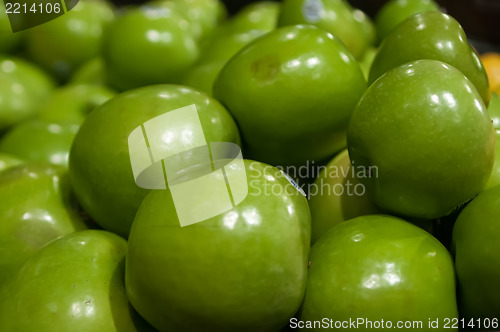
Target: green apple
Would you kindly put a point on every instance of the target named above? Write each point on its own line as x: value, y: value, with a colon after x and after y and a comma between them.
x: 336, y: 196
x: 15, y: 102
x: 35, y: 209
x: 148, y: 45
x: 260, y: 15
x: 292, y: 92
x: 215, y: 55
x: 223, y: 45
x: 242, y: 270
x: 72, y: 103
x: 378, y: 267
x: 202, y: 76
x: 91, y: 72
x: 431, y: 35
x: 23, y: 87
x: 38, y: 140
x: 73, y: 284
x: 494, y: 179
x: 477, y: 253
x: 396, y: 11
x: 100, y: 164
x: 33, y: 79
x: 9, y: 41
x: 424, y: 134
x: 334, y: 16
x: 203, y: 15
x: 367, y: 25
x: 494, y: 111
x: 8, y: 161
x: 366, y: 62
x: 65, y: 43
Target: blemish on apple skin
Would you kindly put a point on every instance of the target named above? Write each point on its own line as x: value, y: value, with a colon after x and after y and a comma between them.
x: 309, y: 264
x: 266, y: 68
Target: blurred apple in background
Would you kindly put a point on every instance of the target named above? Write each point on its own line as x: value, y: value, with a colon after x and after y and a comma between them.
x: 429, y: 147
x: 204, y: 16
x: 242, y: 270
x: 291, y: 92
x: 477, y: 253
x: 336, y: 196
x: 8, y: 161
x: 38, y: 140
x: 396, y: 11
x: 431, y: 35
x: 35, y: 209
x: 151, y: 44
x: 368, y: 267
x: 334, y: 16
x: 494, y: 111
x: 73, y: 284
x: 23, y: 86
x: 91, y: 72
x: 102, y: 177
x: 260, y: 15
x: 367, y: 60
x: 72, y: 103
x: 65, y: 43
x: 215, y: 55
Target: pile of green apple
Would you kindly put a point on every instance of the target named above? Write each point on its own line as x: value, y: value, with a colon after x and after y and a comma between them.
x: 398, y: 108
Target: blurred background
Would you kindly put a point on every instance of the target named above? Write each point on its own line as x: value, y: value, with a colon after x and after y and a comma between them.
x: 479, y: 18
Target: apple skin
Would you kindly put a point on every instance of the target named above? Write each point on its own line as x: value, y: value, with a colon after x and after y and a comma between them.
x: 204, y: 16
x: 215, y: 55
x: 494, y: 179
x: 35, y: 209
x: 367, y: 26
x: 99, y: 164
x: 8, y: 161
x: 334, y: 16
x: 330, y: 205
x: 91, y: 72
x: 23, y: 86
x: 430, y: 147
x: 318, y: 83
x: 380, y: 267
x: 224, y: 45
x: 72, y: 103
x: 41, y: 141
x: 366, y: 62
x: 202, y: 76
x: 494, y: 111
x: 396, y: 11
x: 73, y: 284
x: 243, y: 270
x: 137, y: 52
x: 477, y: 253
x: 261, y: 15
x: 431, y: 35
x: 34, y: 79
x: 65, y: 43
